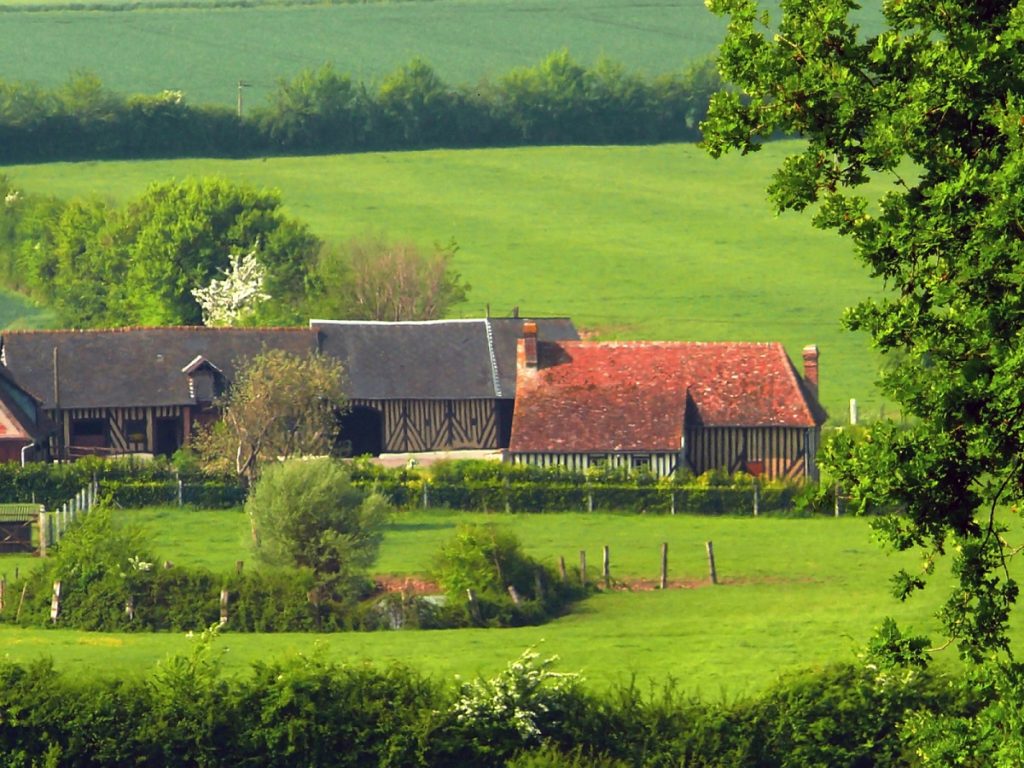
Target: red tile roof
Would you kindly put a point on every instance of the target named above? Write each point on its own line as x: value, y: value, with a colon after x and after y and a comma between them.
x: 635, y: 396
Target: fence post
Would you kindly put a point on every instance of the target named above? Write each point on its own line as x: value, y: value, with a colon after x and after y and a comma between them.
x: 583, y: 567
x: 474, y: 606
x: 181, y: 492
x: 21, y: 602
x: 43, y: 534
x: 664, y: 565
x: 55, y: 602
x: 426, y: 495
x: 673, y: 495
x: 711, y: 562
x: 837, y: 492
x: 3, y: 592
x: 561, y: 569
x: 757, y: 497
x: 606, y: 568
x: 223, y: 606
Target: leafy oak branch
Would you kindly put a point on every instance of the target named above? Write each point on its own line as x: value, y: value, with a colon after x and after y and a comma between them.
x: 932, y: 111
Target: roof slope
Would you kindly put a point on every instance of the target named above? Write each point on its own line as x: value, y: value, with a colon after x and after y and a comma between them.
x: 636, y: 396
x: 20, y: 414
x: 431, y: 360
x: 134, y: 366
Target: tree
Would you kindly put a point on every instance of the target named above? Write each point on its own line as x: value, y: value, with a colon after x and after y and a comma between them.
x: 931, y: 110
x: 182, y: 234
x: 280, y: 405
x: 308, y: 513
x: 235, y: 296
x: 371, y: 279
x: 317, y: 110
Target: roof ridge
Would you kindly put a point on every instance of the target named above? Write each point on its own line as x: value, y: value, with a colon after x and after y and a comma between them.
x: 495, y: 375
x: 132, y: 328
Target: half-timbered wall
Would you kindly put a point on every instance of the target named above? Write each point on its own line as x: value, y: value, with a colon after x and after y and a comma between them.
x: 437, y: 425
x: 127, y: 430
x: 782, y: 452
x: 661, y: 464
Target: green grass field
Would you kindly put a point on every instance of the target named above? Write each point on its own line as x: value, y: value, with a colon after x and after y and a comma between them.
x: 794, y: 593
x: 656, y: 242
x: 205, y: 51
x: 18, y: 312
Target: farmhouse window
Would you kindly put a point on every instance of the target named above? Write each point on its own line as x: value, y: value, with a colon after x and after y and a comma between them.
x: 597, y: 460
x: 641, y: 461
x: 135, y: 430
x: 89, y: 432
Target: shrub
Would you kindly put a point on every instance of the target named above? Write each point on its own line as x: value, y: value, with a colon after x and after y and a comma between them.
x: 490, y: 561
x: 308, y: 513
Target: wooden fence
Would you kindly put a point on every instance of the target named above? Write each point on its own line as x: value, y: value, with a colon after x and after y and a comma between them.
x: 52, y: 525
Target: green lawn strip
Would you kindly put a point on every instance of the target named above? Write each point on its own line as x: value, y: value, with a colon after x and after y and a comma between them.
x: 732, y: 639
x: 794, y: 593
x: 656, y: 242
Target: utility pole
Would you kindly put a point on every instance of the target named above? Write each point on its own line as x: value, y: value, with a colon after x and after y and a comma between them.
x: 241, y: 84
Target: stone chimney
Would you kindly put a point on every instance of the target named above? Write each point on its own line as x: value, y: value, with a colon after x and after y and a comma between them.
x: 528, y: 348
x: 811, y: 368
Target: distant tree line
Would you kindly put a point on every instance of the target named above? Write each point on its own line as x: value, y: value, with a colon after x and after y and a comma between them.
x: 558, y: 101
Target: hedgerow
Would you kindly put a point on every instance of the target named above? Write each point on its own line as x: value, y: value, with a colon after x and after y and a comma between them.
x: 558, y: 101
x: 306, y: 711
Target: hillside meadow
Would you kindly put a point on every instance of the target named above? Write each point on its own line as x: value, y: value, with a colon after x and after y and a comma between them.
x: 793, y: 594
x: 650, y: 242
x: 205, y: 48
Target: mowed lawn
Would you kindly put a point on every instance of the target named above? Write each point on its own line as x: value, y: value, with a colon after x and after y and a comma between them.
x: 793, y: 594
x: 654, y: 242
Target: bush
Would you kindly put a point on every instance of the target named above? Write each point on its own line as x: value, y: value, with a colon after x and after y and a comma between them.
x: 490, y: 562
x: 308, y: 513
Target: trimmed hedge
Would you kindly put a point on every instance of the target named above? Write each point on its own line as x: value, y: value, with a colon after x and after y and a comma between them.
x: 499, y: 486
x: 305, y: 711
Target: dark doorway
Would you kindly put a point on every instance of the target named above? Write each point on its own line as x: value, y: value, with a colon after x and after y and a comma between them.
x: 166, y: 435
x: 361, y: 432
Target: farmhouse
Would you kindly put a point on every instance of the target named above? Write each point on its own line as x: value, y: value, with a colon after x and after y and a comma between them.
x: 415, y: 386
x: 666, y: 406
x: 134, y: 390
x: 429, y: 386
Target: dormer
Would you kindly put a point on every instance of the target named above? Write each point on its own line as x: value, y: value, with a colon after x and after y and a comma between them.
x: 205, y: 380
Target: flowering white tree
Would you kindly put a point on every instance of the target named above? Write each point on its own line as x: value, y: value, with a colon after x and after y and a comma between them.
x: 226, y: 301
x: 516, y: 701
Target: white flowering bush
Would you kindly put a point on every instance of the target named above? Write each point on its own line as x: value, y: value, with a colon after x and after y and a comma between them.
x: 226, y: 301
x: 517, y: 700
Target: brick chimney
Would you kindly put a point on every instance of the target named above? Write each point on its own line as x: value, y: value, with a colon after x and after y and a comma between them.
x: 529, y: 345
x: 811, y: 368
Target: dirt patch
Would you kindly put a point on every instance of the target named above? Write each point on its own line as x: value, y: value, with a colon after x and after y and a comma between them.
x: 648, y: 585
x: 406, y: 584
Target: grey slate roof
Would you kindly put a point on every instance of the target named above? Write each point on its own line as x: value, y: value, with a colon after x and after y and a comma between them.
x: 134, y: 366
x: 441, y: 359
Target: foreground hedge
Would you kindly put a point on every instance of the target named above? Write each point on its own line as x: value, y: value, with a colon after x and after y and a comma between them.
x: 308, y: 712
